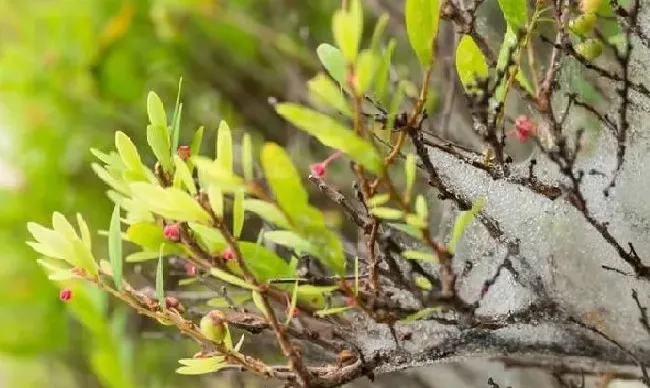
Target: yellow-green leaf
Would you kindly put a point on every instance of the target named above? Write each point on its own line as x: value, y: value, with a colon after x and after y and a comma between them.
x: 224, y: 147
x: 215, y: 197
x: 347, y: 27
x: 247, y: 157
x: 333, y: 61
x: 463, y: 220
x: 199, y: 366
x: 417, y: 255
x: 231, y: 279
x: 267, y: 211
x: 421, y: 208
x: 184, y: 175
x: 290, y: 239
x: 323, y: 91
x: 115, y: 247
x: 410, y: 169
x: 128, y: 152
x: 378, y: 200
x: 515, y: 12
x: 422, y: 19
x: 156, y: 110
x: 84, y: 232
x: 332, y: 134
x: 238, y: 214
x: 331, y: 311
x: 470, y: 62
x: 387, y: 213
x: 259, y: 303
x: 366, y: 66
x: 160, y: 280
x: 158, y: 140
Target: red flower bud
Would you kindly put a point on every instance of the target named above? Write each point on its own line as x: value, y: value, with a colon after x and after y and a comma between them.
x: 524, y: 128
x: 190, y: 269
x: 65, y: 294
x: 184, y: 152
x: 172, y: 232
x: 228, y: 254
x: 319, y: 169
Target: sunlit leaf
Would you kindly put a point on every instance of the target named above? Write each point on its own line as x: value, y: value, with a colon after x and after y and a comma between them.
x: 184, y: 174
x: 156, y: 111
x: 231, y: 279
x: 160, y: 281
x: 420, y: 314
x: 199, y: 366
x: 62, y: 226
x: 171, y: 203
x: 365, y: 71
x: 324, y: 91
x: 84, y: 232
x: 128, y: 152
x: 423, y: 283
x: 267, y: 211
x: 158, y: 140
x: 417, y: 255
x: 115, y: 247
x: 378, y: 200
x: 291, y: 240
x: 137, y: 257
x: 283, y: 179
x: 333, y: 61
x: 421, y: 208
x: 212, y: 238
x: 224, y: 147
x: 347, y: 26
x: 382, y: 74
x: 238, y: 214
x: 196, y: 141
x: 410, y: 170
x: 239, y: 344
x: 176, y: 119
x: 515, y: 12
x: 422, y: 19
x: 262, y: 262
x: 377, y: 33
x: 470, y: 62
x: 215, y: 197
x: 334, y: 310
x: 247, y: 157
x: 212, y: 173
x: 387, y: 213
x: 332, y: 134
x: 463, y: 220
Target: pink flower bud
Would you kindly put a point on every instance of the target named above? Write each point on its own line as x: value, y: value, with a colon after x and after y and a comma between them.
x: 524, y: 128
x: 319, y: 169
x: 228, y: 254
x: 190, y: 269
x: 184, y: 152
x: 172, y: 232
x: 65, y: 294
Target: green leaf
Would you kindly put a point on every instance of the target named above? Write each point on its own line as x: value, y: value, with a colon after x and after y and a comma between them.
x: 332, y: 134
x: 291, y: 240
x: 145, y: 234
x: 116, y: 184
x: 347, y: 27
x: 156, y: 111
x: 380, y: 27
x: 470, y: 62
x: 420, y: 314
x: 224, y: 147
x: 176, y: 119
x: 334, y: 310
x: 262, y: 262
x: 509, y: 44
x: 49, y: 242
x: 267, y: 211
x: 115, y: 247
x: 463, y: 220
x: 284, y: 180
x: 247, y: 157
x: 421, y: 208
x: 158, y: 140
x: 333, y: 61
x: 410, y: 169
x: 199, y: 366
x: 294, y: 300
x: 215, y: 196
x: 323, y: 91
x: 366, y: 66
x: 422, y: 19
x: 184, y: 175
x: 171, y: 203
x: 416, y: 220
x: 196, y: 141
x: 62, y: 226
x: 257, y: 299
x: 387, y: 213
x: 395, y: 103
x: 211, y: 172
x: 238, y: 214
x: 212, y: 238
x: 160, y: 281
x: 423, y: 283
x: 128, y: 152
x: 382, y: 76
x: 417, y: 255
x: 231, y: 279
x: 408, y: 229
x: 138, y: 257
x: 237, y: 300
x: 378, y: 200
x: 515, y: 12
x: 85, y: 232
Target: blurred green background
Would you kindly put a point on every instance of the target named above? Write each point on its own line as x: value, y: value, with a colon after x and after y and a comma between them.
x: 73, y: 72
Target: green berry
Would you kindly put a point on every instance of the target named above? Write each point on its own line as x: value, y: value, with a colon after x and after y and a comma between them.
x: 583, y: 24
x: 213, y: 327
x: 590, y: 48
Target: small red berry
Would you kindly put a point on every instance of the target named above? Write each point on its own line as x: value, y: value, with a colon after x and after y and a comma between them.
x: 184, y: 152
x: 65, y: 294
x: 228, y: 254
x: 524, y: 128
x: 172, y: 232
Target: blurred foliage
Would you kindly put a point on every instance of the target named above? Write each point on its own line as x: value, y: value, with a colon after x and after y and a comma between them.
x: 71, y: 73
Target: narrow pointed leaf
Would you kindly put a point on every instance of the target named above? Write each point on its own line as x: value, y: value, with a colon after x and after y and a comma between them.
x: 115, y: 247
x: 160, y: 281
x: 156, y: 111
x: 84, y: 232
x: 215, y: 197
x: 334, y: 310
x: 247, y: 157
x: 238, y: 214
x: 224, y: 147
x: 332, y: 134
x: 196, y: 141
x: 410, y: 169
x: 463, y: 220
x: 422, y: 19
x: 323, y: 91
x: 231, y: 279
x: 184, y: 175
x: 292, y: 306
x: 158, y: 140
x: 417, y: 255
x: 176, y: 119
